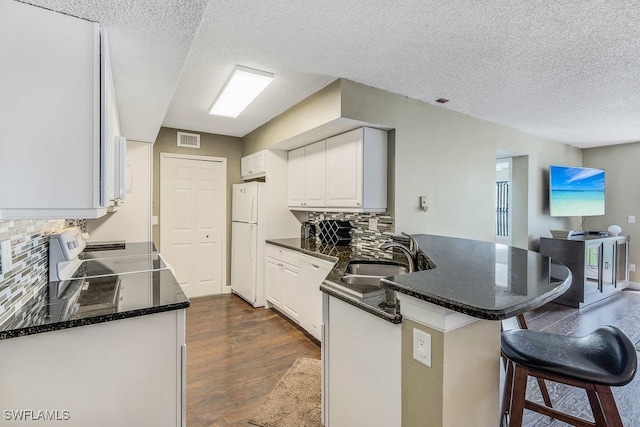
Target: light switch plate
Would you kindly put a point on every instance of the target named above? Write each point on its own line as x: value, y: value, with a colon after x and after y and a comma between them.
x: 631, y: 219
x: 373, y: 224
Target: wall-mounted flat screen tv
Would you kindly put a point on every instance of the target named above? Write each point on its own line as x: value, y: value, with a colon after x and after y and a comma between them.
x: 575, y: 191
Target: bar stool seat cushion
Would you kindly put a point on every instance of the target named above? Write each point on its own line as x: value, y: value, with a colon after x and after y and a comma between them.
x: 605, y: 356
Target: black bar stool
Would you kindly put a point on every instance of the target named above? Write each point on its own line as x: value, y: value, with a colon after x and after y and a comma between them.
x: 595, y: 362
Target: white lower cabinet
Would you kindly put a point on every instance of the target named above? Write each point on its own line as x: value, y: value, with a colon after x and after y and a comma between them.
x: 293, y: 282
x: 273, y: 281
x: 290, y: 290
x: 281, y: 280
x: 312, y: 272
x: 361, y: 367
x: 127, y: 372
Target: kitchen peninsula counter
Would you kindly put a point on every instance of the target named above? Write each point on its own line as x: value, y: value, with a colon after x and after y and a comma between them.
x: 479, y: 279
x: 482, y: 279
x: 453, y: 311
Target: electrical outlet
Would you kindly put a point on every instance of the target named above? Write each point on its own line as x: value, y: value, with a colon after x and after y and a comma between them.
x: 631, y: 219
x: 5, y: 254
x: 632, y: 267
x: 422, y: 347
x: 373, y: 224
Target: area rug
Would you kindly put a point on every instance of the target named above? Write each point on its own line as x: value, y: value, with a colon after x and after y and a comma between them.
x: 295, y: 400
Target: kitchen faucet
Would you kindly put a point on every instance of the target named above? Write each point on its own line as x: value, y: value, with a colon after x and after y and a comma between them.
x: 410, y: 252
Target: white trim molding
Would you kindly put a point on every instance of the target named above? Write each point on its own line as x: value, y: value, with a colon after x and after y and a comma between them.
x: 431, y: 315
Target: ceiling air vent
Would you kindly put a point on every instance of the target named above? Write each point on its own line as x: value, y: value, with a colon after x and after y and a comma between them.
x: 190, y: 140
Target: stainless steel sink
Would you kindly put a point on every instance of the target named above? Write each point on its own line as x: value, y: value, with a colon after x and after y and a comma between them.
x: 375, y: 268
x: 370, y: 272
x: 361, y: 280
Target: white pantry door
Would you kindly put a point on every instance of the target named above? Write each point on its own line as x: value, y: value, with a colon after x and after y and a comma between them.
x: 193, y: 221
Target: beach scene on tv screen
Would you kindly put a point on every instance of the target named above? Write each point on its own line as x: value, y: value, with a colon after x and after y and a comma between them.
x: 576, y: 191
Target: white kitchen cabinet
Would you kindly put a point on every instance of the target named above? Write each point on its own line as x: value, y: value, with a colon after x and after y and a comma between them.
x: 281, y: 280
x: 356, y: 176
x: 253, y: 166
x: 292, y: 281
x: 344, y: 173
x: 127, y: 372
x: 291, y: 290
x: 59, y: 115
x: 307, y: 176
x: 313, y: 271
x: 296, y: 176
x: 361, y: 367
x: 273, y: 281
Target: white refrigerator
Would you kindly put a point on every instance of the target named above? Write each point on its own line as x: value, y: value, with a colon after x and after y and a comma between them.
x: 248, y: 242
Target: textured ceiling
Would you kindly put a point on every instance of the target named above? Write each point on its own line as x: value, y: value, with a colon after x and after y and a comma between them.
x: 564, y: 70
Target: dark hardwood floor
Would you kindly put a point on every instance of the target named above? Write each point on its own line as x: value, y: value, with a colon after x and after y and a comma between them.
x: 235, y: 356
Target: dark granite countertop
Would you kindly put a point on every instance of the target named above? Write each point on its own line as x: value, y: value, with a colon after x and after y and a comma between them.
x: 65, y: 304
x: 372, y: 299
x: 482, y: 279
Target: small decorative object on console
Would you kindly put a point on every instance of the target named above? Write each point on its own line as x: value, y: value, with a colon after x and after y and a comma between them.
x: 614, y: 230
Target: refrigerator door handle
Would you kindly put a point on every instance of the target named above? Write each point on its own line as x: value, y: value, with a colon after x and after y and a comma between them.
x: 251, y: 243
x: 253, y: 216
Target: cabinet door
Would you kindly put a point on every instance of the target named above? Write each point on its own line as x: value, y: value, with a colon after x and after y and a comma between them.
x: 314, y: 174
x: 592, y: 274
x: 245, y: 166
x: 296, y: 177
x: 258, y: 164
x: 50, y: 105
x: 290, y: 290
x: 622, y: 262
x: 312, y: 273
x: 608, y: 271
x: 344, y: 180
x: 273, y: 281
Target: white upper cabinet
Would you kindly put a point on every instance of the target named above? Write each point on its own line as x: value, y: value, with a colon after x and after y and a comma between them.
x: 352, y: 177
x: 58, y: 116
x: 253, y: 166
x: 306, y: 176
x: 314, y: 170
x: 357, y: 170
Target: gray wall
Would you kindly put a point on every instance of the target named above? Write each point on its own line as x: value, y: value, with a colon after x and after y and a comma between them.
x: 622, y: 175
x: 210, y: 145
x: 449, y: 157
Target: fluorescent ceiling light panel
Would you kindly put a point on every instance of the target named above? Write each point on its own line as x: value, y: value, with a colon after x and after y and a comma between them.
x: 244, y: 85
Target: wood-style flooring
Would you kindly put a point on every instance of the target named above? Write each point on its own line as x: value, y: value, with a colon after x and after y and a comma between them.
x: 236, y: 354
x: 623, y: 311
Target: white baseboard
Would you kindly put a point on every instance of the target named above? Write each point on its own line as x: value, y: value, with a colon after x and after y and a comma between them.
x: 635, y: 286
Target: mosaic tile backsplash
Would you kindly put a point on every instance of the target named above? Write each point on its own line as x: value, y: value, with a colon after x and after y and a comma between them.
x: 366, y: 241
x: 30, y: 272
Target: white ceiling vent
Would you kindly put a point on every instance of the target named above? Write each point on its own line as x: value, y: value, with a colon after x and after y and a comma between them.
x: 190, y: 140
